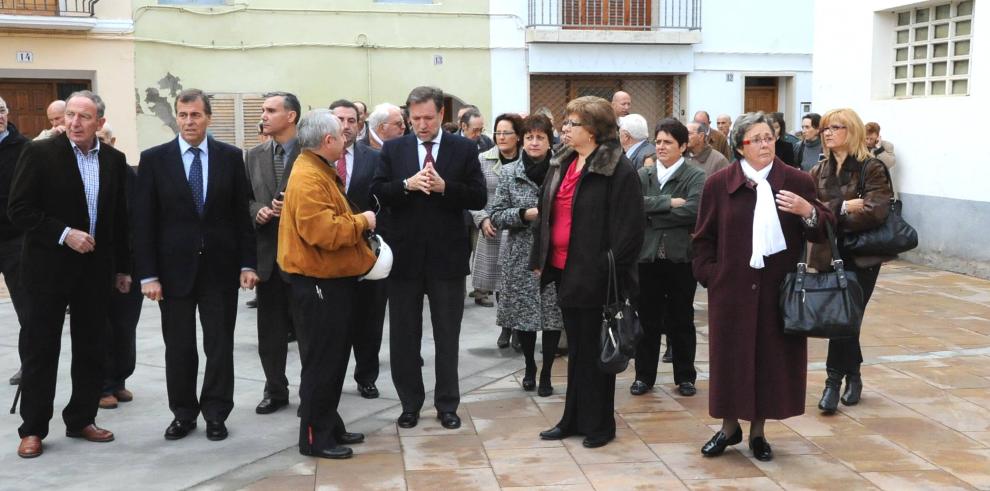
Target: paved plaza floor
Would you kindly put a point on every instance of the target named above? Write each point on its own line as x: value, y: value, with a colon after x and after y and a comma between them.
x: 923, y: 423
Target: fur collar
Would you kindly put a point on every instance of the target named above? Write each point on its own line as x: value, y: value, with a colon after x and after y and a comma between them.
x: 601, y: 161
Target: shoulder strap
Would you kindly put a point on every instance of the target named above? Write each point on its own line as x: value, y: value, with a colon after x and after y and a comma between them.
x: 862, y: 175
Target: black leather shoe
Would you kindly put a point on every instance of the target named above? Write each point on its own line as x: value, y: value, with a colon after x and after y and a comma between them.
x: 854, y: 389
x: 179, y: 429
x: 761, y: 449
x: 216, y: 430
x: 596, y: 442
x: 408, y: 420
x: 554, y: 433
x: 667, y: 357
x: 449, y: 420
x: 338, y: 452
x: 639, y: 388
x: 830, y: 396
x: 348, y: 438
x: 269, y: 405
x: 717, y: 444
x: 368, y: 391
x: 687, y: 389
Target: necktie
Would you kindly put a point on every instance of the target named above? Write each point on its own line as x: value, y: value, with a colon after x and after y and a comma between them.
x: 429, y: 153
x: 342, y: 168
x: 196, y: 180
x: 279, y: 161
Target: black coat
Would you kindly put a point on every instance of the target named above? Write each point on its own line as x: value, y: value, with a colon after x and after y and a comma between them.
x: 47, y: 195
x: 10, y: 151
x: 172, y: 240
x: 607, y: 212
x: 785, y: 152
x: 427, y: 232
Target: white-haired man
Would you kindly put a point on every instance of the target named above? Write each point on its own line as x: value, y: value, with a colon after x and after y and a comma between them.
x: 700, y: 152
x: 321, y: 247
x: 633, y: 133
x: 384, y: 123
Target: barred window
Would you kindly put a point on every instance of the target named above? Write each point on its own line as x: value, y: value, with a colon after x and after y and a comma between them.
x: 931, y: 50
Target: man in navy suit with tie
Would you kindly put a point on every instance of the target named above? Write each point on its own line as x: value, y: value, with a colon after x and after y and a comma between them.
x: 194, y: 245
x: 356, y: 167
x: 428, y: 178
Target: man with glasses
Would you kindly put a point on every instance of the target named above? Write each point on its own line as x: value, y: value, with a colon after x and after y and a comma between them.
x: 356, y: 167
x: 473, y: 128
x: 700, y: 152
x: 384, y: 124
x: 716, y: 139
x: 11, y: 237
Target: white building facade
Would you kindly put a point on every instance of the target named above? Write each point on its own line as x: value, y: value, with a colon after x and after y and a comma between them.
x: 913, y: 67
x: 674, y: 57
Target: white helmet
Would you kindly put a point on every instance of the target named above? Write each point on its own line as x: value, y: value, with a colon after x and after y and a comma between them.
x: 383, y: 265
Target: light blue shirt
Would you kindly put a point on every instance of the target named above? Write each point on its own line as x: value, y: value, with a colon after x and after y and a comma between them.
x: 204, y: 157
x: 632, y: 149
x: 4, y: 134
x: 89, y: 170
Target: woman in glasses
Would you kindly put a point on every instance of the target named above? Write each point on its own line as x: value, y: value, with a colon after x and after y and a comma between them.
x: 857, y: 209
x: 590, y: 203
x: 524, y: 306
x: 754, y: 219
x: 484, y: 270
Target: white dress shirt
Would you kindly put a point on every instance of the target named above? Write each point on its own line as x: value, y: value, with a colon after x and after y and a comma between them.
x: 421, y: 149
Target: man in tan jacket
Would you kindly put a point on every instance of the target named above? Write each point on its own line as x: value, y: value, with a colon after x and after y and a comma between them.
x: 322, y: 246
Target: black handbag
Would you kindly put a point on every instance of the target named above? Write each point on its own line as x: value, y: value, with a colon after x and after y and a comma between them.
x: 620, y: 326
x: 891, y: 238
x: 822, y: 305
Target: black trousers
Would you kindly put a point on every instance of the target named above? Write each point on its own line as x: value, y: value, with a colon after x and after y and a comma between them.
x: 845, y: 355
x: 589, y: 407
x: 666, y: 306
x: 217, y: 305
x: 275, y: 321
x: 366, y: 333
x: 122, y: 321
x: 325, y: 312
x: 87, y: 294
x: 446, y: 298
x: 10, y: 267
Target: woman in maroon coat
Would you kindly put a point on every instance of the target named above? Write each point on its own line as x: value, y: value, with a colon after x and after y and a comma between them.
x: 755, y: 216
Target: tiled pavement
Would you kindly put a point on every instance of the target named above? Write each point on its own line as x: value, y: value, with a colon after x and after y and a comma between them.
x: 923, y: 423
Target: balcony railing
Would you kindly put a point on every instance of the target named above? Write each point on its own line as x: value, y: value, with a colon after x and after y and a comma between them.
x: 62, y: 8
x: 623, y: 15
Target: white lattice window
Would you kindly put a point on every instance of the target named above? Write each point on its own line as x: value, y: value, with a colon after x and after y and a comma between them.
x: 931, y: 49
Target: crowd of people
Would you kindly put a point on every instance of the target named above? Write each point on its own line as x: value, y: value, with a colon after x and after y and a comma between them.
x: 535, y: 216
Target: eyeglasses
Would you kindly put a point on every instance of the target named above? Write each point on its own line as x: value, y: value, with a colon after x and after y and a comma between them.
x: 769, y: 140
x: 571, y: 122
x: 505, y: 133
x: 833, y: 128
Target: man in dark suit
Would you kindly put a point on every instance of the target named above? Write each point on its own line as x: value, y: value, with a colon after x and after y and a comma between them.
x: 429, y: 179
x: 356, y: 167
x: 268, y: 166
x: 195, y: 244
x: 68, y: 197
x: 11, y: 237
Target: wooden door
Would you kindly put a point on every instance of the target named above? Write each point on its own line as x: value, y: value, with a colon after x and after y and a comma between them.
x: 761, y: 99
x: 27, y: 101
x: 607, y: 14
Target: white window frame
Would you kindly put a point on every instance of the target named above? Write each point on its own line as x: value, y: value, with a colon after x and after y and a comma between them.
x: 905, y: 81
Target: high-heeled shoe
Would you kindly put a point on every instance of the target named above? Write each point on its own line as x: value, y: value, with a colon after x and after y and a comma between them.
x: 720, y: 441
x: 854, y: 389
x: 761, y: 449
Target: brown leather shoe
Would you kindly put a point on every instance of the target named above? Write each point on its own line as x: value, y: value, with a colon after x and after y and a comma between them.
x: 30, y: 447
x: 108, y: 402
x: 91, y: 433
x: 124, y: 395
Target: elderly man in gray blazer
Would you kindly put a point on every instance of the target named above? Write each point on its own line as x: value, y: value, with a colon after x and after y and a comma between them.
x: 633, y: 135
x: 268, y: 166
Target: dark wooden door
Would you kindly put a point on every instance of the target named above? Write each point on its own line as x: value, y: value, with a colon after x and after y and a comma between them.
x: 607, y: 14
x: 761, y: 99
x: 28, y: 100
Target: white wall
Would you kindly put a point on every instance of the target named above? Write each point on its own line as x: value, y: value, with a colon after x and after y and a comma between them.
x: 757, y: 26
x: 510, y: 76
x: 609, y: 58
x: 934, y: 136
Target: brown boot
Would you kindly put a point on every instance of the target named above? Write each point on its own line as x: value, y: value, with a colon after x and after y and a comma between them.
x: 30, y: 447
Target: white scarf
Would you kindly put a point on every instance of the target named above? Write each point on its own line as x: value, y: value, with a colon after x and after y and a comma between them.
x: 768, y: 237
x: 665, y: 173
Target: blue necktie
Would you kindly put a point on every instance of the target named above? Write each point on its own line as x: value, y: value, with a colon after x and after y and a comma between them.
x: 196, y: 180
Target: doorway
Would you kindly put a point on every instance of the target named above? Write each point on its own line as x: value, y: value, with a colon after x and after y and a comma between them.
x: 28, y: 100
x: 761, y: 94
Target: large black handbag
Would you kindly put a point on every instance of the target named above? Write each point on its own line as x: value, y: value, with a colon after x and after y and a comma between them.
x: 823, y: 304
x: 891, y: 238
x: 620, y: 326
